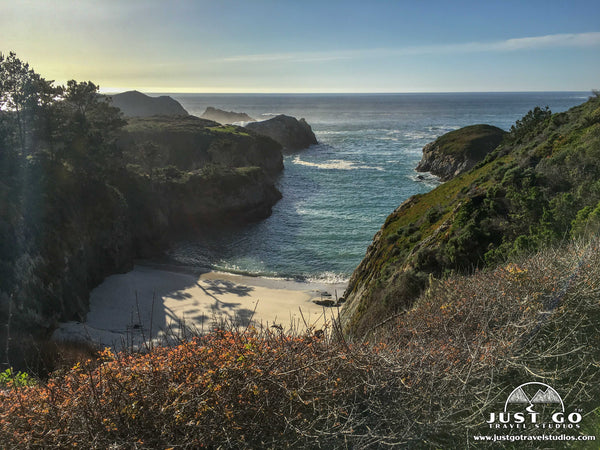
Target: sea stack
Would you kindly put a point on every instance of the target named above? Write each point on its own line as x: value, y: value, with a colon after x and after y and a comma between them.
x: 459, y: 151
x: 291, y: 133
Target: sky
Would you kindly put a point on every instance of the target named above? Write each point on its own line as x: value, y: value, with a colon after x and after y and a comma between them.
x: 309, y: 46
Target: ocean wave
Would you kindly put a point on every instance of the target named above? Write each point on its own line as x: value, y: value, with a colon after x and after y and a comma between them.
x: 426, y: 178
x: 243, y: 123
x: 418, y: 135
x: 323, y: 277
x: 442, y: 127
x: 336, y: 164
x: 329, y: 278
x: 430, y: 132
x: 324, y: 213
x: 332, y: 132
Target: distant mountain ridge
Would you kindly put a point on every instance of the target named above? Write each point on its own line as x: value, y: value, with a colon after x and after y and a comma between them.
x: 137, y: 104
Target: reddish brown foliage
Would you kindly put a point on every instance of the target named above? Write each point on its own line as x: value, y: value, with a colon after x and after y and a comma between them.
x: 430, y: 375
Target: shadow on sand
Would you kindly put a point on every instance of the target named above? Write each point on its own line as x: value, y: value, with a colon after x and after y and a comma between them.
x: 155, y: 305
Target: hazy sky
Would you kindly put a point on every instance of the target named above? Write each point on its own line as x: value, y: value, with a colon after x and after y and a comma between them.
x: 309, y: 46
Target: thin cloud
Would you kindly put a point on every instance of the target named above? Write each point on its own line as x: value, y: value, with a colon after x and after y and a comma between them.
x: 517, y: 44
x: 552, y: 40
x: 296, y: 57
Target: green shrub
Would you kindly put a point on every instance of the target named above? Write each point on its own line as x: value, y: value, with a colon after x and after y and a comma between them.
x: 9, y: 378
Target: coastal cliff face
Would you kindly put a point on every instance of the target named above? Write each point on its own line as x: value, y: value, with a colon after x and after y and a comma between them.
x: 225, y: 117
x: 71, y: 226
x: 540, y: 184
x: 291, y: 133
x: 136, y: 104
x: 460, y: 150
x: 60, y: 237
x: 171, y: 201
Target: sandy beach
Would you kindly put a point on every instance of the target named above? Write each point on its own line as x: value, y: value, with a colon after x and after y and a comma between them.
x: 161, y: 302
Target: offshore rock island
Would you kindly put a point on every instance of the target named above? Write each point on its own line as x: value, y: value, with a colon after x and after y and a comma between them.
x: 291, y: 133
x: 458, y: 151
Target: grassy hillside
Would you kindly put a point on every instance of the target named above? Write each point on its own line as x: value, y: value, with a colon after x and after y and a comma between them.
x: 473, y: 141
x: 541, y: 185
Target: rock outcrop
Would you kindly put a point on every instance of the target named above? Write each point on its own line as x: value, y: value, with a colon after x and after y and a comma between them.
x: 136, y: 104
x: 291, y: 133
x: 225, y: 117
x: 201, y: 173
x: 190, y: 143
x: 174, y: 201
x: 460, y: 150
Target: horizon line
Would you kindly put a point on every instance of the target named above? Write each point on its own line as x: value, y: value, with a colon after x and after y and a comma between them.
x: 108, y: 91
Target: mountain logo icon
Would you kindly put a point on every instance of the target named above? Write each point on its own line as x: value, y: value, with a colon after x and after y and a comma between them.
x: 544, y: 394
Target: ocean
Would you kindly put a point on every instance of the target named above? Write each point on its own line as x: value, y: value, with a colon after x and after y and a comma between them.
x: 337, y: 194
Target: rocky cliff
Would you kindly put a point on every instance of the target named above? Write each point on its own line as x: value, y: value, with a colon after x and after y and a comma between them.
x: 170, y: 201
x: 68, y: 227
x: 187, y: 172
x: 136, y: 104
x: 458, y: 151
x: 291, y: 133
x: 540, y: 185
x: 225, y: 117
x: 190, y: 143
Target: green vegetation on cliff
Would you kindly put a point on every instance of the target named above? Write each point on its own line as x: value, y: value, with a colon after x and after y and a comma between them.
x: 473, y: 141
x: 458, y: 151
x: 541, y: 185
x: 190, y: 143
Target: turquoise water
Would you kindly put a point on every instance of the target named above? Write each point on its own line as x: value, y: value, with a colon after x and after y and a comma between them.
x: 337, y: 194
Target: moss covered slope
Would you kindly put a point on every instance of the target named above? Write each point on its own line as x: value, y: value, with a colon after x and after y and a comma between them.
x: 541, y: 184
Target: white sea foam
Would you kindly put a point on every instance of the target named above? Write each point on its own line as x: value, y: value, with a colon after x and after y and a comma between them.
x: 428, y: 179
x: 325, y: 214
x: 430, y: 132
x: 330, y: 278
x: 336, y: 164
x: 418, y: 135
x: 332, y: 132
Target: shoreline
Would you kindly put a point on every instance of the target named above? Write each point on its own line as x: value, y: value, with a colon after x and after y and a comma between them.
x: 172, y: 266
x: 159, y: 303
